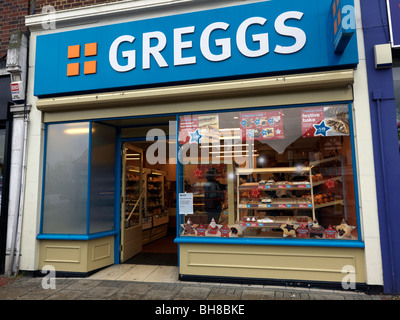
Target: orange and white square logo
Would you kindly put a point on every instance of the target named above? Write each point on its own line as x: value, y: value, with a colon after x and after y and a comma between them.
x: 89, y: 67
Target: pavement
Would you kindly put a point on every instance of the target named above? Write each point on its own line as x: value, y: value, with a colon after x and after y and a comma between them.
x: 178, y: 299
x: 32, y: 288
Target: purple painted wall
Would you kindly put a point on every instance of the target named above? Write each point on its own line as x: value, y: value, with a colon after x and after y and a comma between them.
x: 385, y: 142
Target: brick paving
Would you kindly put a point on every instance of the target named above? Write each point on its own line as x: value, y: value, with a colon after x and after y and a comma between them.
x: 30, y: 288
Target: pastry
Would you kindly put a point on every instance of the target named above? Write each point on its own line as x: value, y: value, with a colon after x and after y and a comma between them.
x: 344, y: 230
x: 236, y: 230
x: 338, y: 125
x: 188, y: 228
x: 289, y: 229
x: 316, y: 230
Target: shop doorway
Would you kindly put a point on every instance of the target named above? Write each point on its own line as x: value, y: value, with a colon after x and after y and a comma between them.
x: 148, y: 201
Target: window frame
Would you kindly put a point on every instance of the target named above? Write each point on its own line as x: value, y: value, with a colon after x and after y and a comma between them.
x: 67, y: 236
x: 359, y: 243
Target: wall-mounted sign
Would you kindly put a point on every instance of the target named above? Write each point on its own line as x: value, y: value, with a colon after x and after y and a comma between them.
x: 247, y: 40
x: 17, y: 90
x: 393, y: 7
x: 344, y: 23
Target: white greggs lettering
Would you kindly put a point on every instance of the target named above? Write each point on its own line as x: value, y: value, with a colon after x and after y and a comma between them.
x: 225, y: 44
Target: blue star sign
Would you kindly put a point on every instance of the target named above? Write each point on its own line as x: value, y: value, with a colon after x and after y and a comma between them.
x: 264, y: 133
x: 195, y: 136
x: 321, y: 129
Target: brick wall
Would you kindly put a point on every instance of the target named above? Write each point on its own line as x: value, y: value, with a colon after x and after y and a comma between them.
x: 13, y: 12
x: 67, y: 4
x: 12, y: 15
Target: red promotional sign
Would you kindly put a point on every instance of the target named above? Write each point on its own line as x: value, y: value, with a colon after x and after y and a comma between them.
x: 309, y: 118
x: 262, y: 125
x: 199, y: 129
x: 186, y: 126
x: 325, y: 121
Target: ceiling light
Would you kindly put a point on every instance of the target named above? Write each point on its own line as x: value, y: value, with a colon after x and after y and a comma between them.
x: 77, y: 131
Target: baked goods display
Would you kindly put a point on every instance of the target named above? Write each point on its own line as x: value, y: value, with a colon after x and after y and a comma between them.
x: 286, y: 202
x: 271, y: 203
x: 289, y: 200
x: 188, y: 228
x: 273, y: 222
x: 324, y: 197
x: 285, y: 226
x: 289, y: 229
x: 344, y: 230
x: 316, y: 230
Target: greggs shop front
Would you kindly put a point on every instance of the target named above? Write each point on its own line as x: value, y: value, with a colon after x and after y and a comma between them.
x: 236, y: 136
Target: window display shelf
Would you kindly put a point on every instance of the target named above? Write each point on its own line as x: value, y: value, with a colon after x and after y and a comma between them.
x: 276, y: 186
x: 154, y: 204
x: 317, y: 183
x: 288, y: 206
x: 326, y: 160
x: 272, y: 222
x: 329, y: 181
x: 248, y: 171
x: 331, y: 203
x: 147, y: 223
x: 266, y: 193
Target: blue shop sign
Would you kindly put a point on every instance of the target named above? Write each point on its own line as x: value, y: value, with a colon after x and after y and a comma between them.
x: 277, y: 36
x: 344, y: 24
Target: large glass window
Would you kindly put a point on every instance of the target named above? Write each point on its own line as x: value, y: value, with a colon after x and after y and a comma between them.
x: 79, y: 183
x: 66, y: 179
x: 268, y: 173
x: 102, y: 178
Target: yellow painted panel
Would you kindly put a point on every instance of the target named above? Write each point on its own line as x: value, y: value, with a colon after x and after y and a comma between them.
x: 66, y: 254
x: 101, y: 251
x: 70, y: 256
x: 77, y: 256
x: 271, y: 262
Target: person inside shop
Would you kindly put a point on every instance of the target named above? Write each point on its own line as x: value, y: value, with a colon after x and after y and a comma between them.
x: 214, y: 196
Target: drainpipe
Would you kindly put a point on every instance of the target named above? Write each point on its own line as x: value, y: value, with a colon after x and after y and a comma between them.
x: 17, y: 248
x: 17, y: 66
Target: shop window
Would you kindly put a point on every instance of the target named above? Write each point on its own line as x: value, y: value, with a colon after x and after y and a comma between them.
x: 102, y: 178
x: 66, y: 178
x: 78, y: 191
x: 273, y: 173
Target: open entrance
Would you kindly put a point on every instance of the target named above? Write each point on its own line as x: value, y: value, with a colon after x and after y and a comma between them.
x: 148, y: 196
